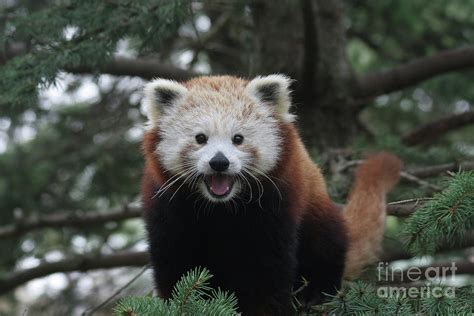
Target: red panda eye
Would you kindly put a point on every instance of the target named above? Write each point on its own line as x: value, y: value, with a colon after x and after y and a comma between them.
x: 201, y: 139
x: 238, y: 139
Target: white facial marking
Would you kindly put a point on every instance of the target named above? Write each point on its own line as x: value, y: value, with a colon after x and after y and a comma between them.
x: 219, y: 114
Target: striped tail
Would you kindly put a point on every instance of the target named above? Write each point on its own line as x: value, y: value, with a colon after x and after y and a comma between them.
x: 365, y: 210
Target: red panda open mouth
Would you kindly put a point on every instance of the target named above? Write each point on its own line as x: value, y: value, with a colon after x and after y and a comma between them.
x: 219, y: 185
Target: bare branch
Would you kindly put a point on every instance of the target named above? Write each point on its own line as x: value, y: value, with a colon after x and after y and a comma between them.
x: 429, y: 132
x: 406, y: 207
x: 397, y: 252
x: 87, y: 219
x: 69, y: 219
x: 413, y: 72
x: 80, y: 263
x: 411, y: 178
x: 92, y: 310
x: 144, y: 68
x: 430, y: 171
x: 460, y: 267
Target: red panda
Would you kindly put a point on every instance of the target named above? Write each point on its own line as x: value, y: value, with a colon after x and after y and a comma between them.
x: 228, y: 185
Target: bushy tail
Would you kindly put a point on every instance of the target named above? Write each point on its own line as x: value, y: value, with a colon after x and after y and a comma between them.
x: 365, y: 210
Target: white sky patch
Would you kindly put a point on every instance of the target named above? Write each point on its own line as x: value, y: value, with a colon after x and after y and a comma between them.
x: 135, y: 97
x: 25, y: 133
x: 5, y: 123
x: 183, y: 59
x: 27, y: 263
x: 69, y: 32
x: 203, y: 68
x: 29, y: 116
x: 465, y: 148
x: 124, y: 50
x: 52, y: 285
x: 117, y: 241
x: 106, y: 82
x: 79, y: 242
x: 142, y: 245
x: 130, y: 84
x: 28, y: 245
x: 461, y: 106
x: 382, y: 100
x: 3, y: 142
x: 424, y: 100
x: 405, y: 264
x: 135, y: 133
x: 55, y: 96
x: 406, y: 105
x: 54, y: 255
x: 203, y: 23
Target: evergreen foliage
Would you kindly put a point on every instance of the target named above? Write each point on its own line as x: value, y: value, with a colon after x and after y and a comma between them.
x: 191, y: 296
x: 81, y: 157
x: 80, y: 33
x: 360, y: 298
x: 445, y: 218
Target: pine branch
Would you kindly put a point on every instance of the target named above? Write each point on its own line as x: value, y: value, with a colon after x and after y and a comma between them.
x: 100, y: 26
x: 78, y: 263
x: 414, y: 72
x: 397, y: 252
x: 414, y: 179
x: 431, y: 171
x: 88, y: 262
x: 405, y: 276
x: 140, y: 67
x: 79, y: 220
x: 191, y: 296
x: 431, y: 131
x: 360, y: 298
x: 405, y: 207
x: 448, y: 215
x: 86, y: 219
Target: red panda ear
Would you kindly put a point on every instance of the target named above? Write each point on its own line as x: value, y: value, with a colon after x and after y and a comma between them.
x: 159, y: 94
x: 273, y: 90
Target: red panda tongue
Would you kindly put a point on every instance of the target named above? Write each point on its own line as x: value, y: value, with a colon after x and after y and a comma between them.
x: 220, y: 184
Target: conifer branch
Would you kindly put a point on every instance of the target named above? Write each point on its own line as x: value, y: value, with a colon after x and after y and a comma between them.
x: 462, y: 267
x: 448, y: 215
x: 79, y: 220
x: 414, y: 72
x: 431, y: 171
x: 79, y: 263
x: 433, y: 130
x: 140, y: 67
x: 411, y: 178
x: 89, y: 262
x: 398, y: 252
x: 191, y: 296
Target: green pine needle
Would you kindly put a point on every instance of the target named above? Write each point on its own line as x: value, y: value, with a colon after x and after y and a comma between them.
x: 446, y: 218
x: 191, y: 296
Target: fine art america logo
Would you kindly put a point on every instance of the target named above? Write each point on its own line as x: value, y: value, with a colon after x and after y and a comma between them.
x: 407, y: 282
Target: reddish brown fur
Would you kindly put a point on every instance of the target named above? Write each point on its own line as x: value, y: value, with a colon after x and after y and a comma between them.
x: 365, y: 212
x: 307, y: 189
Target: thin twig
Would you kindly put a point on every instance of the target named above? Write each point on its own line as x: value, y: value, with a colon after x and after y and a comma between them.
x: 409, y: 177
x: 92, y: 310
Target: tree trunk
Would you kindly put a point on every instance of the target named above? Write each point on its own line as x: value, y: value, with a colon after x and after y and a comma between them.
x: 310, y: 38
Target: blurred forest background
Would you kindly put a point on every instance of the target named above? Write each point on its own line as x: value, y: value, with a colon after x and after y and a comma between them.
x: 369, y: 75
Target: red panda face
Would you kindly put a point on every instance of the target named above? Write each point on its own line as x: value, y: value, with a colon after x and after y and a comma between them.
x: 218, y: 134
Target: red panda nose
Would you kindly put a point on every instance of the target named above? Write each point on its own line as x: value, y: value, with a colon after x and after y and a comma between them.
x: 219, y: 162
